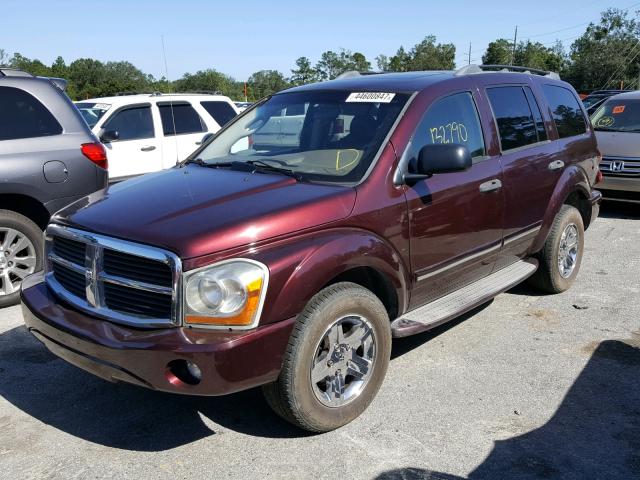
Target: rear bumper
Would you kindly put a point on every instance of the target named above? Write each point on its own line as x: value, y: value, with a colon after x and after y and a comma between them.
x: 229, y: 361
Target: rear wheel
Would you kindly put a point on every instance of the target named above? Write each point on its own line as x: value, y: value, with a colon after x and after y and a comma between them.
x: 336, y: 359
x: 21, y: 246
x: 561, y: 255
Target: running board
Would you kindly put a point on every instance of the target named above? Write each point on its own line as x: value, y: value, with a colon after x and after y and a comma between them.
x: 456, y: 303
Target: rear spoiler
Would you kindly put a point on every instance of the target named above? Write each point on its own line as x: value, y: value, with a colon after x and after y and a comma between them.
x: 61, y: 83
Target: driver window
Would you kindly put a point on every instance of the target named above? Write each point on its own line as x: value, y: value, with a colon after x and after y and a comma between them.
x: 453, y: 119
x: 132, y: 123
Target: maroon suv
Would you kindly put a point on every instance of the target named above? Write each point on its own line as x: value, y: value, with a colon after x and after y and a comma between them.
x: 290, y: 248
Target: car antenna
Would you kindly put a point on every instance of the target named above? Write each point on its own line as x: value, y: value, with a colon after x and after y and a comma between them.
x: 173, y: 117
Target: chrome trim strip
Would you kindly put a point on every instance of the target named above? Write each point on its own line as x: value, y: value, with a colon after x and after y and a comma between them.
x: 462, y: 261
x: 95, y: 276
x: 520, y: 236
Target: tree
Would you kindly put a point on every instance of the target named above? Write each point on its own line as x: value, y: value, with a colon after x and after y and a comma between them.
x: 499, y: 52
x: 383, y: 63
x: 266, y: 82
x: 400, y: 62
x: 209, y: 80
x: 304, y: 73
x: 332, y: 64
x: 34, y: 67
x: 607, y: 54
x: 426, y: 55
x: 4, y: 57
x: 86, y: 79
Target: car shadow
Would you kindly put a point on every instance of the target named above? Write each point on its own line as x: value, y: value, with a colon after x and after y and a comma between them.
x: 595, y: 432
x: 621, y: 210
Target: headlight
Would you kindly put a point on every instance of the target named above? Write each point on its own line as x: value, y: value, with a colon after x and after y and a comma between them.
x: 228, y: 294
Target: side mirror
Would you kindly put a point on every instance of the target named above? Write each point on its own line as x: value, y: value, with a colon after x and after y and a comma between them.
x: 439, y: 158
x: 110, y: 136
x: 206, y: 137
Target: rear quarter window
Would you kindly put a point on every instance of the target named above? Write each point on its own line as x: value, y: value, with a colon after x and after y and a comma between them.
x: 566, y: 111
x: 23, y: 116
x: 221, y: 112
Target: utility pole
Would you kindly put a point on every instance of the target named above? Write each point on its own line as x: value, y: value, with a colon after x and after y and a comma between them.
x: 515, y: 39
x: 469, y: 54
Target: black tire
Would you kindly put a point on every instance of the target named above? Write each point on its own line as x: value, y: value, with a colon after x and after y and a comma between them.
x: 15, y: 221
x: 548, y: 277
x: 292, y: 395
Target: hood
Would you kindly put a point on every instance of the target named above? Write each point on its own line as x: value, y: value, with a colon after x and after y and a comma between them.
x: 195, y: 211
x: 618, y: 144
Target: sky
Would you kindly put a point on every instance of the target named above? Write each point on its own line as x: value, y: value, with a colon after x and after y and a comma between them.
x: 241, y: 37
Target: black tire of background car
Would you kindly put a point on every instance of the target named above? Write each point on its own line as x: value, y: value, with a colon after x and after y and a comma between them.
x: 21, y: 223
x: 548, y: 278
x: 291, y: 396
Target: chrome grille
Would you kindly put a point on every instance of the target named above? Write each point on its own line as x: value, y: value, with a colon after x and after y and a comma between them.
x: 620, y: 166
x: 114, y: 279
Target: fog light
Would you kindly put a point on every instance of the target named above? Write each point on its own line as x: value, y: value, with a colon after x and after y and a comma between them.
x: 183, y: 372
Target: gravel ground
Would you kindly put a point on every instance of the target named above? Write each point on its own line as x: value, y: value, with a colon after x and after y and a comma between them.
x: 526, y: 386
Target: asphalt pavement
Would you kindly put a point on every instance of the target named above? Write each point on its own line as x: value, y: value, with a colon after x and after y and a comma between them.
x: 527, y: 386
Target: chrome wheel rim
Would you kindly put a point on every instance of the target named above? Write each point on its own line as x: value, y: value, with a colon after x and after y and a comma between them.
x: 17, y: 259
x: 343, y: 361
x: 568, y: 250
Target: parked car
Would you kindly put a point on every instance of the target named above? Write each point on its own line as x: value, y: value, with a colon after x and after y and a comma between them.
x: 149, y: 132
x: 592, y: 101
x: 242, y: 106
x: 293, y: 265
x: 617, y: 126
x: 48, y: 158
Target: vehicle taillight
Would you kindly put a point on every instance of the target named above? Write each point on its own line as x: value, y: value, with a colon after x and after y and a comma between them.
x: 96, y: 153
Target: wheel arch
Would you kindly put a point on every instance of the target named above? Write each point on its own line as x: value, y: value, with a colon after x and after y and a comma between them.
x: 26, y: 205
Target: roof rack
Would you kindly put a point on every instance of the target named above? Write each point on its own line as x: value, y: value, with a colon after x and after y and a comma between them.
x: 473, y: 69
x: 13, y: 72
x: 160, y: 94
x: 355, y: 73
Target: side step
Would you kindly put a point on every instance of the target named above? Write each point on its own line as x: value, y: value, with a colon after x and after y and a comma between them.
x: 456, y: 303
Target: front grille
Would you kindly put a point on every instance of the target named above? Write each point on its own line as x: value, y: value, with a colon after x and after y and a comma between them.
x: 137, y: 268
x: 620, y: 166
x: 71, y: 280
x: 113, y: 279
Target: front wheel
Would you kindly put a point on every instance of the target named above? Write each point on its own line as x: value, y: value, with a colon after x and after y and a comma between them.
x: 561, y: 255
x: 336, y: 359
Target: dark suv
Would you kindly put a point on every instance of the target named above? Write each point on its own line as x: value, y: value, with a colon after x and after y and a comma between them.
x: 290, y: 261
x: 48, y: 159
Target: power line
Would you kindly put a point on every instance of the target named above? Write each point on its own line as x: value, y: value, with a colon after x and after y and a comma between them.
x: 624, y: 64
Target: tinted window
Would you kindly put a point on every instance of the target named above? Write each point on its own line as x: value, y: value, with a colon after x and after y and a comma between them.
x: 182, y: 116
x: 221, y: 112
x: 513, y: 116
x: 537, y: 116
x: 132, y: 124
x: 92, y: 112
x: 452, y: 119
x: 566, y: 111
x: 23, y: 116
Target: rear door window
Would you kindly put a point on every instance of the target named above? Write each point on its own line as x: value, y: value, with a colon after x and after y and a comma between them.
x: 452, y: 119
x: 566, y: 111
x: 23, y: 116
x: 513, y: 117
x: 132, y: 123
x: 221, y: 112
x: 180, y: 119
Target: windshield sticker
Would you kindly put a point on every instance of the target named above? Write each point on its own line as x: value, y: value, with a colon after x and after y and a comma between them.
x: 618, y: 109
x: 101, y: 106
x: 605, y: 122
x: 370, y: 97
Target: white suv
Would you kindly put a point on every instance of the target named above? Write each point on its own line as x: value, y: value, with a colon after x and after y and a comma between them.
x: 148, y: 132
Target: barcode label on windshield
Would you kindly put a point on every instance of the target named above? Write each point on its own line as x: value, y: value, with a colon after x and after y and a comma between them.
x: 371, y: 97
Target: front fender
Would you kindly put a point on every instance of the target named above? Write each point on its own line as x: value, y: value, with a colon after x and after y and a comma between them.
x: 573, y: 179
x: 300, y: 267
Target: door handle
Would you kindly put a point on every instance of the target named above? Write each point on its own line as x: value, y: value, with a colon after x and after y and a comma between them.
x: 148, y: 148
x: 490, y: 186
x: 556, y: 165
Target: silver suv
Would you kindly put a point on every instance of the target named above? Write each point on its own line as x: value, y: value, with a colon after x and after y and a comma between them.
x: 48, y: 159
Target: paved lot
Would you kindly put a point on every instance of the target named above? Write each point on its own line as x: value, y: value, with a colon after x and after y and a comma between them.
x: 527, y: 386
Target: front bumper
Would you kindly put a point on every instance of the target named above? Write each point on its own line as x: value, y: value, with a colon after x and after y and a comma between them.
x: 621, y: 188
x: 229, y: 361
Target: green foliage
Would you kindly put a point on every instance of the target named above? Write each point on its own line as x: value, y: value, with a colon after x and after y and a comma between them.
x: 266, y: 82
x: 332, y: 64
x: 426, y: 55
x: 303, y: 73
x: 498, y: 52
x: 208, y: 81
x: 527, y: 54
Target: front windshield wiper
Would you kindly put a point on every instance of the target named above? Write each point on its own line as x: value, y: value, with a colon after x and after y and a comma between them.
x: 202, y: 163
x: 261, y: 165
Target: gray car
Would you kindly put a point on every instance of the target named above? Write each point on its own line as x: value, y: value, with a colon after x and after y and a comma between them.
x: 48, y: 159
x: 617, y: 126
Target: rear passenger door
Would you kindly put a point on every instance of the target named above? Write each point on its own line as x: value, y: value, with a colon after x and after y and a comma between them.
x: 456, y: 229
x: 529, y: 162
x: 136, y: 150
x: 182, y: 131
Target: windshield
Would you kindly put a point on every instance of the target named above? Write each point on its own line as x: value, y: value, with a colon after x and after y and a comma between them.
x: 318, y: 135
x: 618, y: 116
x: 92, y: 112
x: 592, y: 100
